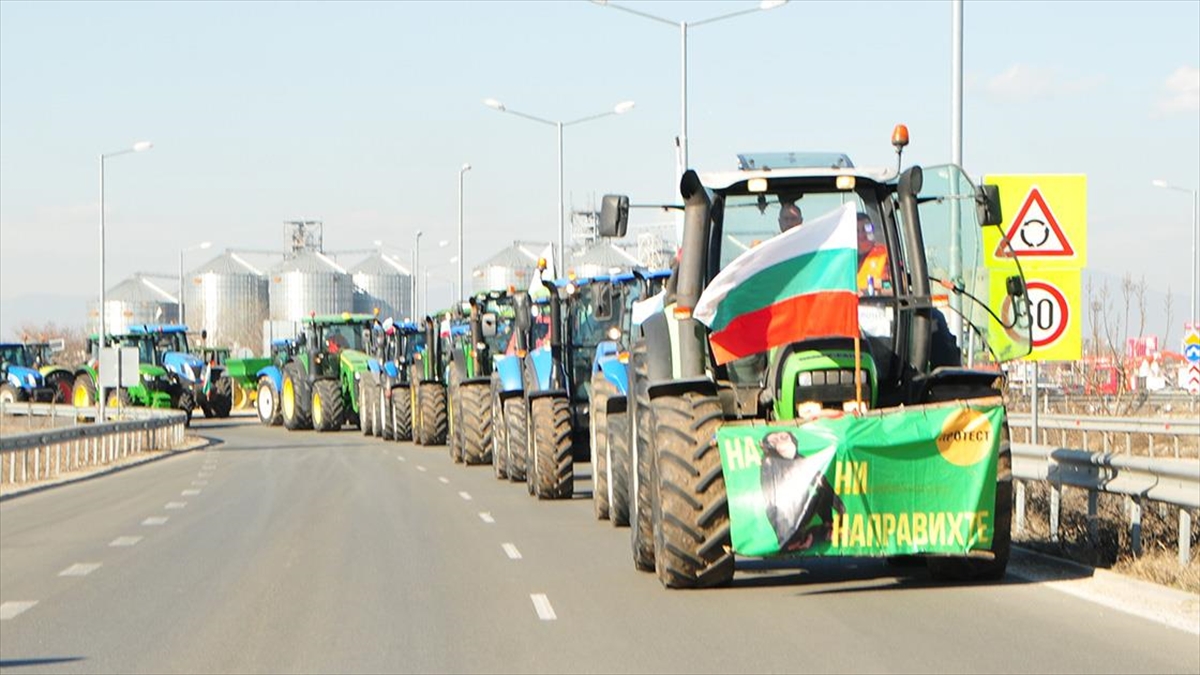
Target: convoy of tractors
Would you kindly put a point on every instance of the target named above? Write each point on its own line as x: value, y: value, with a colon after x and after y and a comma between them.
x: 710, y: 433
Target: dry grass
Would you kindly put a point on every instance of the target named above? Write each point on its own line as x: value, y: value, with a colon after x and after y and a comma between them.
x: 1112, y: 547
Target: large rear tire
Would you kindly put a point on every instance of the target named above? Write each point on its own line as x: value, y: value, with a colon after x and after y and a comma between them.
x: 475, y: 423
x: 598, y: 396
x: 454, y: 440
x: 328, y: 409
x: 432, y: 399
x: 366, y: 405
x: 402, y: 410
x: 266, y: 403
x: 516, y: 423
x: 644, y: 485
x: 295, y: 397
x: 387, y: 416
x: 499, y: 433
x: 946, y: 568
x: 554, y: 472
x: 618, y: 468
x: 62, y: 382
x: 692, y: 543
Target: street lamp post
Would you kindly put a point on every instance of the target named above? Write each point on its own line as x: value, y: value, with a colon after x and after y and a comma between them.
x: 623, y: 107
x: 465, y: 168
x: 182, y: 312
x: 140, y: 146
x: 1194, y: 307
x: 415, y: 274
x: 682, y: 141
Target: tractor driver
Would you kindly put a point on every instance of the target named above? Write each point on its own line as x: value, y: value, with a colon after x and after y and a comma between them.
x: 789, y: 214
x: 874, y: 275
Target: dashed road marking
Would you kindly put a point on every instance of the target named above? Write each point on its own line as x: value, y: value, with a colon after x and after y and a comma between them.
x: 80, y: 570
x: 420, y: 468
x: 402, y: 458
x: 466, y: 496
x: 486, y: 517
x: 175, y: 505
x: 189, y: 493
x: 125, y: 541
x: 511, y: 551
x: 443, y: 479
x: 9, y: 610
x: 155, y: 520
x: 542, y: 604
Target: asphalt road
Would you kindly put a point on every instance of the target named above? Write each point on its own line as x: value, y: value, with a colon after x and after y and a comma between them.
x: 275, y: 551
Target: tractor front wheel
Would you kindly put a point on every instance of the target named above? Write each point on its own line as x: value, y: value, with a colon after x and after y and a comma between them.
x: 475, y: 423
x: 402, y: 411
x: 9, y: 394
x: 554, y: 471
x: 600, y: 392
x: 295, y: 398
x: 618, y: 468
x: 328, y: 409
x: 221, y: 399
x: 83, y: 393
x: 692, y: 544
x: 267, y: 403
x: 432, y: 400
x: 516, y: 436
x: 62, y: 382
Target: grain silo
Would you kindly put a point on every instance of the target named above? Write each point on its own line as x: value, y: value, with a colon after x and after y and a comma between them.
x: 228, y: 297
x: 512, y: 266
x: 382, y: 282
x: 601, y: 258
x: 135, y: 300
x: 309, y: 283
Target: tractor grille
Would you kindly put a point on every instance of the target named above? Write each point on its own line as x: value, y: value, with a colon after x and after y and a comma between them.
x: 830, y: 388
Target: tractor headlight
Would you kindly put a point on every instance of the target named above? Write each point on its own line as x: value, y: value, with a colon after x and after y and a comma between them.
x: 804, y: 379
x: 31, y: 379
x: 614, y: 333
x: 357, y: 375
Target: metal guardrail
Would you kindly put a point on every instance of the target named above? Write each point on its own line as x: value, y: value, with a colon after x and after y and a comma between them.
x: 47, y: 453
x: 1154, y: 429
x: 1164, y: 480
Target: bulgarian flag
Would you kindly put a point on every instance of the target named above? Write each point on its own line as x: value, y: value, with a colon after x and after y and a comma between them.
x: 799, y: 284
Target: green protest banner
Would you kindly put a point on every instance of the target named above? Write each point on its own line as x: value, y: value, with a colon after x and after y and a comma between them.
x: 918, y: 479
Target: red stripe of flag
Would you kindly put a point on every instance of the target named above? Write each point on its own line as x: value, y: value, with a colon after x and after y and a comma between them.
x: 793, y: 319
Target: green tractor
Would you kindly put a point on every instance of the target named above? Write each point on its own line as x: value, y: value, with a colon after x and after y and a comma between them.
x: 156, y: 387
x: 781, y: 404
x: 485, y: 333
x: 427, y: 378
x: 319, y: 389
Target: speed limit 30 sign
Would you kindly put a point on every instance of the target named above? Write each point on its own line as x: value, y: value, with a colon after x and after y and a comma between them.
x: 1054, y: 314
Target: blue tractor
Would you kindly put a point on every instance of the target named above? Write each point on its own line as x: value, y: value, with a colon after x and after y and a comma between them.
x: 203, y: 385
x: 20, y: 379
x: 270, y: 382
x: 622, y: 301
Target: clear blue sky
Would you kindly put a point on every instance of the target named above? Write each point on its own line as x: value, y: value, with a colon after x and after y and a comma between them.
x: 360, y: 115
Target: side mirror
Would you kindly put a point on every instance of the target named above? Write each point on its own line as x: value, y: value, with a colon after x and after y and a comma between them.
x: 487, y: 324
x: 58, y: 345
x: 204, y: 334
x: 987, y: 205
x: 1015, y: 286
x: 614, y: 216
x: 302, y: 340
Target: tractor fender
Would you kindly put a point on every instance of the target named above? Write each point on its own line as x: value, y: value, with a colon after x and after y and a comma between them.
x: 543, y: 393
x: 616, y: 373
x: 674, y: 387
x: 508, y: 368
x: 542, y: 366
x: 392, y: 370
x: 274, y: 374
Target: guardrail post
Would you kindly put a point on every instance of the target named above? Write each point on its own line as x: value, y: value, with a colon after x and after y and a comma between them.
x: 1055, y: 505
x: 1092, y: 520
x: 1135, y: 525
x: 1020, y: 485
x: 37, y: 462
x: 1185, y: 537
x: 1085, y: 443
x: 25, y: 466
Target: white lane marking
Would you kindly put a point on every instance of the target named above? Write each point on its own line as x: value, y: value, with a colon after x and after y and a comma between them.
x: 511, y: 551
x: 189, y: 493
x: 486, y: 517
x: 80, y: 570
x: 124, y: 541
x: 420, y: 468
x: 466, y: 496
x: 10, y: 610
x: 155, y: 520
x: 542, y: 604
x: 443, y: 479
x: 175, y: 505
x: 200, y: 483
x: 402, y: 458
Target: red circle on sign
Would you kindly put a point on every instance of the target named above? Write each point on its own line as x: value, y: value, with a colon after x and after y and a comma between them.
x: 1059, y: 299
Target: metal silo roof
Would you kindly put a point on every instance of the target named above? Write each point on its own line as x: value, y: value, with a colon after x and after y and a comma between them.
x: 379, y: 263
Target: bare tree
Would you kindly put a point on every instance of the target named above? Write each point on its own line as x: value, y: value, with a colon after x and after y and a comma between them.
x: 73, y: 337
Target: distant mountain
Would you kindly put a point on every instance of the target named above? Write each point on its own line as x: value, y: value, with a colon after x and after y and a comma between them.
x: 41, y: 308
